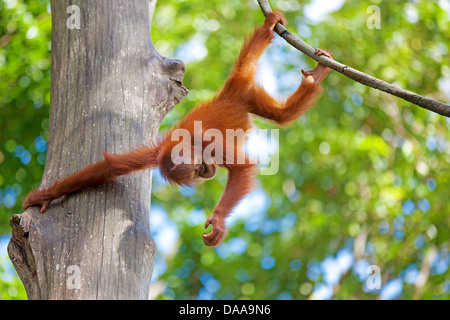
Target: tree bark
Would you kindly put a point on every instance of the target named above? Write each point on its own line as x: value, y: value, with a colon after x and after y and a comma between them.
x: 110, y: 91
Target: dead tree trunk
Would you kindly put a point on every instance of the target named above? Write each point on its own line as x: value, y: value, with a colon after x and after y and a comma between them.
x: 110, y: 91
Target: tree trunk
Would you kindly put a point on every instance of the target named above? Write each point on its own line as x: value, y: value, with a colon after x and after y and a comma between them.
x: 110, y: 91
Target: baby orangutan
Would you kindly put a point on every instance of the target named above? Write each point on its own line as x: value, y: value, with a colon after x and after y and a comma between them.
x: 230, y: 108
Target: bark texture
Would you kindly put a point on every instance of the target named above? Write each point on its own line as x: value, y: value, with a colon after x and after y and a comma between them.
x: 110, y: 91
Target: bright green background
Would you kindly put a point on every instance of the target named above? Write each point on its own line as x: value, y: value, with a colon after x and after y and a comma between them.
x: 363, y: 179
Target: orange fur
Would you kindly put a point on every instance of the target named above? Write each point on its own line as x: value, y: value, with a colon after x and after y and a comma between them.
x: 229, y: 109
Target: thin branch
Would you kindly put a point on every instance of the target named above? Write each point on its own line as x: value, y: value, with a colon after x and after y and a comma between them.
x: 424, y: 102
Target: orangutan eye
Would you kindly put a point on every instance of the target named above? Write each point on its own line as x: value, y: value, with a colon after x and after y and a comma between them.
x: 202, y: 170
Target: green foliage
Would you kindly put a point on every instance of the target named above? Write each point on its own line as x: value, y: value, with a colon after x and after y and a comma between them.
x: 363, y: 180
x: 10, y: 286
x: 25, y: 34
